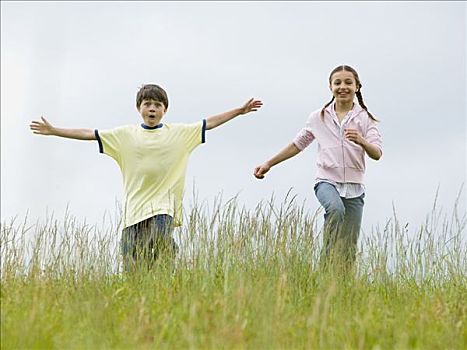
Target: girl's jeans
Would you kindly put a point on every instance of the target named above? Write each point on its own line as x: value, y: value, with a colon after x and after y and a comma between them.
x: 342, y: 221
x: 148, y: 240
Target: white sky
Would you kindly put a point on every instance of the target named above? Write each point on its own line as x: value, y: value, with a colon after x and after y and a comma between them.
x: 80, y: 64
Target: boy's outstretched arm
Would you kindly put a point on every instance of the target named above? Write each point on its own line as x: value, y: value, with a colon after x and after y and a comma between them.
x: 287, y: 152
x: 216, y: 120
x: 45, y: 128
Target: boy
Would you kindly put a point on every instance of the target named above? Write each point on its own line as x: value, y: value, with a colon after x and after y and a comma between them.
x: 153, y: 158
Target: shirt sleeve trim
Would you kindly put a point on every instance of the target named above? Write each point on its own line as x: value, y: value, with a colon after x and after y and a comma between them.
x: 203, y: 132
x: 98, y: 138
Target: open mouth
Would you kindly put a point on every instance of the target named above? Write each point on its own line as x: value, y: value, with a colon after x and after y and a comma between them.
x: 151, y: 116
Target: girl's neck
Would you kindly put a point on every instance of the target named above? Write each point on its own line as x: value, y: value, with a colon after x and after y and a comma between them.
x: 343, y: 107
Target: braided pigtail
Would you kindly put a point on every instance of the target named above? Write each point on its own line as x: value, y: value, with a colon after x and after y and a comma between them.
x: 362, y: 104
x: 322, y: 110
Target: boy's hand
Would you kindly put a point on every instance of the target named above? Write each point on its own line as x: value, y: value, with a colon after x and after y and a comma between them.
x: 42, y: 127
x: 45, y: 128
x: 251, y: 105
x: 261, y: 170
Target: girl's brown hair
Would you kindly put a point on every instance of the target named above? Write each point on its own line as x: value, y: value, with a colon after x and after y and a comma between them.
x: 358, y: 93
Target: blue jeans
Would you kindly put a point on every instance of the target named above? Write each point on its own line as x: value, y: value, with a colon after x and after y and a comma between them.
x: 342, y: 221
x: 148, y: 240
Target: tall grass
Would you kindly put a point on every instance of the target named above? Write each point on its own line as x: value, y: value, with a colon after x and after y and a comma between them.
x: 243, y: 279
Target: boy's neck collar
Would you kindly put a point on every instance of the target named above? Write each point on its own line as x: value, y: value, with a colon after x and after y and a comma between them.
x: 144, y: 126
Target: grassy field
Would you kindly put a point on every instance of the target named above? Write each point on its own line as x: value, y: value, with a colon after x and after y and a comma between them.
x: 243, y: 279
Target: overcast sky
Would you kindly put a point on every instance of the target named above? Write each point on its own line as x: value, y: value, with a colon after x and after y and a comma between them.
x: 80, y: 64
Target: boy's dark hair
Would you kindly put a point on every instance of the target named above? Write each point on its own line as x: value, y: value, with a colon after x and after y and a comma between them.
x: 358, y: 93
x: 153, y: 92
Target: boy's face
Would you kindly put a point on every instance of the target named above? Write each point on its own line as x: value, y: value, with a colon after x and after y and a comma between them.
x: 152, y: 112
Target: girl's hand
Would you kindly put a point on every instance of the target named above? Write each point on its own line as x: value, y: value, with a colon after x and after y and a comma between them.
x: 42, y: 127
x: 354, y: 136
x: 251, y: 105
x: 261, y: 170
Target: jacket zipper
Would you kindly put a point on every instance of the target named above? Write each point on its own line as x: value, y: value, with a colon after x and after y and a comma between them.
x: 342, y: 144
x: 342, y: 147
x: 342, y: 140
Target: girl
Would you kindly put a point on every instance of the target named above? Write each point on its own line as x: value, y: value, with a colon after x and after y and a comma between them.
x: 345, y: 132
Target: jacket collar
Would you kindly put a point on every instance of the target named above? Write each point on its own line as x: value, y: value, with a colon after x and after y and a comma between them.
x: 356, y: 109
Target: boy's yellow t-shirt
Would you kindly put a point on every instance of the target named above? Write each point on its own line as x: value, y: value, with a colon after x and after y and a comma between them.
x: 153, y: 163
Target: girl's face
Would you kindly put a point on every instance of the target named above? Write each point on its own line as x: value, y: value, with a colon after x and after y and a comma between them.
x: 343, y: 86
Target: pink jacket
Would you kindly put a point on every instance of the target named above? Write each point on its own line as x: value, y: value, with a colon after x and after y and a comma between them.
x: 339, y: 160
